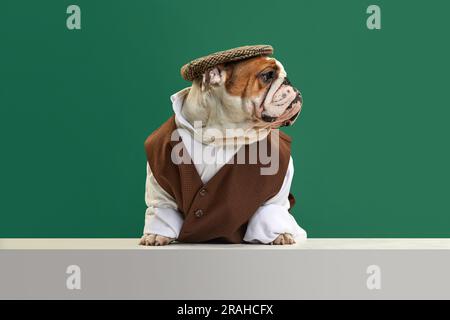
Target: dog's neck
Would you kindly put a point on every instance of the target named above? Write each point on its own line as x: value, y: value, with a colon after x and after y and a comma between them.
x: 213, y: 110
x: 220, y: 117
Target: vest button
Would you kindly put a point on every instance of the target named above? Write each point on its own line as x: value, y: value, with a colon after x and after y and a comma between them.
x: 199, y: 213
x: 203, y: 192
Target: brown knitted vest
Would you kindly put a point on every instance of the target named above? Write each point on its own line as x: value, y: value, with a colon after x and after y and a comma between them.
x: 219, y: 210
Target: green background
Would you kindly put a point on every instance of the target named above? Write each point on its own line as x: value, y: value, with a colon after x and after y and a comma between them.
x: 370, y: 149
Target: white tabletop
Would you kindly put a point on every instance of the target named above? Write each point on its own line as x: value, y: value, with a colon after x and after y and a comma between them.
x: 310, y: 244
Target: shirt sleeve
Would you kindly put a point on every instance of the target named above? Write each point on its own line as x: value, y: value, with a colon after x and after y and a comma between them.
x: 162, y: 216
x: 273, y: 218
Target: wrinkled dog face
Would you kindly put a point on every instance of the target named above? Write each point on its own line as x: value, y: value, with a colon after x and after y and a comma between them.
x: 256, y: 88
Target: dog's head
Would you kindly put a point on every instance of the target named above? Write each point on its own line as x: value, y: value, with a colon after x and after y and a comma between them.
x: 255, y: 90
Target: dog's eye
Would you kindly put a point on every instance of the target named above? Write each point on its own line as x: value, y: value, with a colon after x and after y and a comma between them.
x: 267, y: 76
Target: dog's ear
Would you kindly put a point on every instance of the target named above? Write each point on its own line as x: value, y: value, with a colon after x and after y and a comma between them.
x: 214, y: 77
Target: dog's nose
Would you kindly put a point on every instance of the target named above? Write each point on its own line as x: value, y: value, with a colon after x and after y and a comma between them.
x: 268, y: 118
x: 287, y: 82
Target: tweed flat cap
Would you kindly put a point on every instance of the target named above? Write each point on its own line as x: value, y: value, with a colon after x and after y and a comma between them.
x: 197, y: 67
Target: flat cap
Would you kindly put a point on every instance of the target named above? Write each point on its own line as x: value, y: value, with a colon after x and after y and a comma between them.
x: 197, y: 67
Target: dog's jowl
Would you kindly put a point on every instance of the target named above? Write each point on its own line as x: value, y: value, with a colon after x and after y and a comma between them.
x: 220, y: 170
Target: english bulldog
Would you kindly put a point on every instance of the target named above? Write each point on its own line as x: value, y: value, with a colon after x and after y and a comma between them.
x: 254, y: 93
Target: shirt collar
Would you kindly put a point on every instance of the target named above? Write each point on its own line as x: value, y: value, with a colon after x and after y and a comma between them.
x: 177, y: 104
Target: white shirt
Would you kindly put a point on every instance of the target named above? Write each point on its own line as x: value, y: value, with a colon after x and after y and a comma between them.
x: 163, y: 218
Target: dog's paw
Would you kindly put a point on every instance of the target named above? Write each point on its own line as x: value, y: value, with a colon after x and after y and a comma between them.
x: 155, y: 240
x: 283, y: 239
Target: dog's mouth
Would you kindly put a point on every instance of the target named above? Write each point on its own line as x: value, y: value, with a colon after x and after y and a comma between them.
x: 283, y: 96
